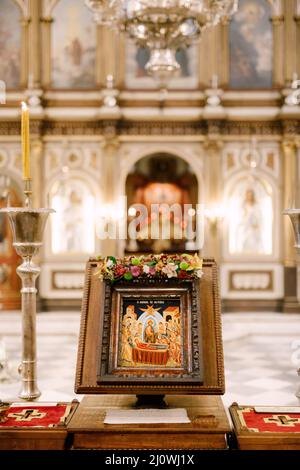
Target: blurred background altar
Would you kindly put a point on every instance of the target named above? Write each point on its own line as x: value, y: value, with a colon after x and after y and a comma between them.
x: 222, y: 135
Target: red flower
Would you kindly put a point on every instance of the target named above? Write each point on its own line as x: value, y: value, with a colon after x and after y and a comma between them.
x: 183, y: 275
x: 120, y: 270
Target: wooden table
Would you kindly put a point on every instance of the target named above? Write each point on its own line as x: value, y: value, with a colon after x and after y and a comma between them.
x: 208, y: 429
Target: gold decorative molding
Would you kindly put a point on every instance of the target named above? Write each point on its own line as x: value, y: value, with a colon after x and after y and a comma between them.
x: 252, y: 128
x: 162, y: 128
x: 52, y: 128
x: 215, y: 130
x: 277, y: 20
x: 291, y: 126
x: 46, y: 20
x: 289, y: 144
x: 213, y: 143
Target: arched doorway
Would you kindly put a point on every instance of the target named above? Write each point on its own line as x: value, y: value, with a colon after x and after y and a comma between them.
x: 157, y: 183
x: 9, y: 260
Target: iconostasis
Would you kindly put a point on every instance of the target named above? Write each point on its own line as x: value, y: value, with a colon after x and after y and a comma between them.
x: 102, y: 131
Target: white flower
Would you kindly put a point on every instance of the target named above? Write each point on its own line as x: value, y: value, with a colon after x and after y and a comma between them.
x: 170, y: 270
x: 146, y: 269
x: 109, y: 263
x: 199, y: 273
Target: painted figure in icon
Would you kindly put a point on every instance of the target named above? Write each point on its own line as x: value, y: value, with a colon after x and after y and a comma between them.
x: 149, y: 335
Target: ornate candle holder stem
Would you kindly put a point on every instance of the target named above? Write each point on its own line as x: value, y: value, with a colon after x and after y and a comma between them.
x: 28, y: 192
x: 28, y: 273
x: 28, y: 226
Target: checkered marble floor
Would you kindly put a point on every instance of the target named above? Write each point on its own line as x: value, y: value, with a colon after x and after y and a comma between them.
x: 262, y: 354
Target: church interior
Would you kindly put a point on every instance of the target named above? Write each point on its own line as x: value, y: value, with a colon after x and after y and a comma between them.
x: 114, y: 131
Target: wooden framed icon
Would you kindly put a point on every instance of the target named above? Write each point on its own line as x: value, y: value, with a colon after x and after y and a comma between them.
x: 153, y: 331
x: 150, y: 336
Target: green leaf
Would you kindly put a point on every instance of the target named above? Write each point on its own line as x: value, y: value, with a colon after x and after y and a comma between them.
x: 128, y: 276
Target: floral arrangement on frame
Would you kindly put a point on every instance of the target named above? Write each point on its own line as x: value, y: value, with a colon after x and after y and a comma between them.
x: 163, y: 266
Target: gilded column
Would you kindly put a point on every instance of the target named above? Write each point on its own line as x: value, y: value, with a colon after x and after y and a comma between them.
x: 100, y: 57
x: 297, y: 20
x: 224, y: 54
x: 110, y: 147
x: 120, y: 60
x: 34, y: 48
x: 297, y: 172
x: 278, y: 50
x: 37, y: 172
x: 205, y: 72
x: 46, y: 56
x: 110, y: 46
x: 290, y: 183
x: 213, y: 168
x: 216, y: 62
x: 289, y: 40
x: 24, y: 51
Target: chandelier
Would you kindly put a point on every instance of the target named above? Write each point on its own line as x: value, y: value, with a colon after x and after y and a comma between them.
x: 162, y: 25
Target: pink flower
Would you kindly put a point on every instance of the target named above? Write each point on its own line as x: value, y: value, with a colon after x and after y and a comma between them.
x: 135, y: 271
x: 170, y: 270
x: 146, y: 269
x: 149, y: 270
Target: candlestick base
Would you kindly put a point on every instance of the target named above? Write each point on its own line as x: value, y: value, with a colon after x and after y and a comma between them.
x: 29, y: 391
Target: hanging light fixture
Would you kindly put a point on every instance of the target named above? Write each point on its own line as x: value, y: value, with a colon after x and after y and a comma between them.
x: 104, y: 11
x: 162, y: 25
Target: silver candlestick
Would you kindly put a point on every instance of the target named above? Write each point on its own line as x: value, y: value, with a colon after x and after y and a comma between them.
x: 27, y: 225
x: 294, y: 215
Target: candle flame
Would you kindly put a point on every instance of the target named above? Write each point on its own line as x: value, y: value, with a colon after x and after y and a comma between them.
x: 24, y: 106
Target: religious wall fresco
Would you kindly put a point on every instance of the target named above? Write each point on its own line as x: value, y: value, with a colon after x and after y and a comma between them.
x: 73, y: 45
x: 250, y: 218
x: 74, y: 204
x: 251, y: 45
x: 10, y: 41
